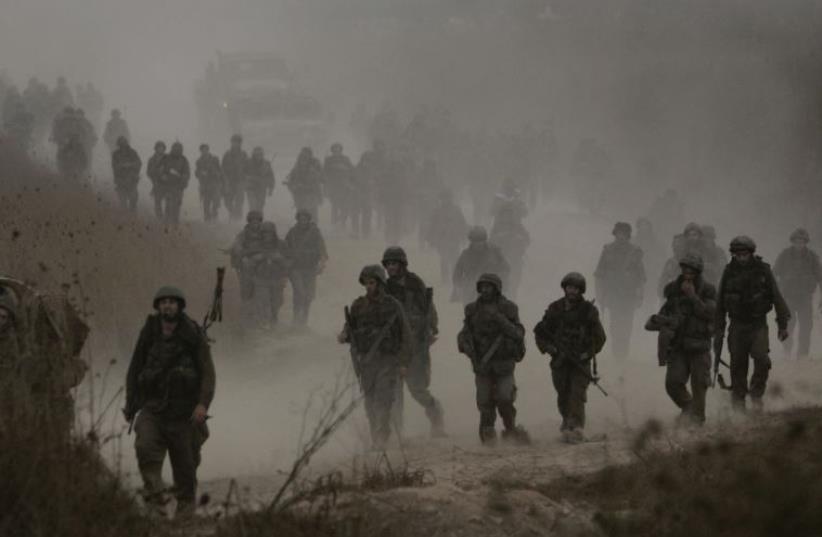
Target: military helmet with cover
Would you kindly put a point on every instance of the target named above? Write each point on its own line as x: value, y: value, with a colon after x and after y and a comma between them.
x: 693, y: 262
x: 693, y: 227
x: 254, y: 216
x: 236, y: 139
x: 743, y: 243
x: 622, y: 227
x: 574, y: 279
x: 336, y: 148
x: 477, y: 234
x: 394, y: 253
x: 169, y: 291
x: 493, y: 279
x: 800, y: 234
x: 373, y: 271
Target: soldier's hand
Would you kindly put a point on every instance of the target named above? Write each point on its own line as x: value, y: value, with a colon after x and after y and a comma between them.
x: 782, y: 334
x: 688, y: 288
x: 341, y: 337
x: 198, y: 417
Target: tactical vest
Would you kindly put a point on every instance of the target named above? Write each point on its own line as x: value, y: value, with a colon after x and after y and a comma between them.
x: 412, y: 296
x: 369, y: 318
x: 747, y: 294
x: 574, y: 330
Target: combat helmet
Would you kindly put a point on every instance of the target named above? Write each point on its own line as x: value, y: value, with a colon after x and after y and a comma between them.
x: 800, y: 234
x: 336, y: 148
x: 394, y: 253
x: 622, y: 227
x: 693, y: 226
x: 303, y: 212
x: 742, y: 243
x: 169, y: 291
x: 254, y: 215
x: 373, y: 271
x: 477, y: 234
x: 575, y: 279
x: 177, y: 148
x: 693, y: 262
x: 159, y: 144
x: 493, y: 279
x: 236, y: 138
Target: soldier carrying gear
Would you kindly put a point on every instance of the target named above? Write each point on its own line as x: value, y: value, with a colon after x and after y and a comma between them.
x: 688, y: 312
x: 418, y: 303
x: 620, y: 277
x: 338, y: 176
x: 208, y: 172
x: 494, y: 339
x: 154, y: 171
x: 259, y: 179
x: 798, y: 271
x: 170, y: 383
x: 245, y: 252
x: 306, y: 248
x: 305, y: 182
x: 116, y: 127
x: 126, y: 165
x: 235, y: 165
x: 380, y: 339
x: 572, y: 334
x: 479, y: 258
x: 270, y: 274
x: 747, y: 292
x: 174, y: 175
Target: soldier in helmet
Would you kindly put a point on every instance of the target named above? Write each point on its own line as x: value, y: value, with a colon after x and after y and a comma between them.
x: 208, y: 172
x: 126, y: 165
x: 798, y: 273
x: 445, y: 231
x: 306, y: 249
x: 381, y: 342
x: 170, y: 383
x: 305, y: 182
x: 235, y: 165
x: 259, y: 179
x: 494, y: 339
x: 689, y: 309
x: 620, y: 277
x: 115, y: 128
x: 245, y: 254
x: 418, y: 303
x: 747, y: 292
x: 174, y: 176
x: 371, y: 169
x: 572, y: 334
x: 338, y: 174
x: 72, y: 158
x: 154, y: 171
x: 479, y: 258
x: 270, y: 275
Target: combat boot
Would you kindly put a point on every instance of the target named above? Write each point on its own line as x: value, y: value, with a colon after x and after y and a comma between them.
x: 488, y: 436
x: 573, y: 436
x: 517, y: 435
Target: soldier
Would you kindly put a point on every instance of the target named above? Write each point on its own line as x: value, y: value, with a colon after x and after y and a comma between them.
x: 494, y: 339
x: 480, y: 257
x: 747, y: 292
x: 72, y: 159
x: 445, y: 231
x: 695, y: 243
x: 572, y: 334
x: 170, y: 382
x: 126, y: 166
x: 88, y: 135
x: 513, y: 240
x: 338, y: 173
x: 305, y: 182
x: 115, y: 128
x: 306, y: 250
x: 380, y: 339
x: 270, y: 274
x: 175, y: 173
x: 245, y: 251
x: 418, y: 304
x: 371, y: 168
x: 235, y: 164
x: 620, y: 277
x: 19, y: 124
x: 259, y: 179
x: 208, y: 172
x: 689, y: 310
x: 61, y: 96
x: 798, y: 273
x: 154, y: 171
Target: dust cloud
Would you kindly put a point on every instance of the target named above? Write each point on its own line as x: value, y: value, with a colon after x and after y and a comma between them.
x: 719, y: 100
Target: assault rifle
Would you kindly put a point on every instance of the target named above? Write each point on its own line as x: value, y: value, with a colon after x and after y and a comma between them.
x: 568, y: 357
x: 215, y: 312
x: 358, y: 359
x: 718, y: 378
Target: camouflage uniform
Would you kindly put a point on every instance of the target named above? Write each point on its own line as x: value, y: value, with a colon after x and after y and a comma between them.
x: 270, y: 274
x: 620, y: 277
x: 305, y: 248
x: 167, y: 378
x: 798, y: 272
x: 126, y: 165
x: 479, y: 258
x: 445, y: 233
x: 747, y: 292
x: 235, y: 164
x: 370, y: 170
x: 688, y: 354
x: 571, y: 331
x: 72, y: 159
x: 338, y: 173
x: 245, y: 252
x: 305, y: 183
x: 154, y: 171
x: 208, y: 172
x: 489, y: 324
x: 174, y: 176
x: 377, y: 362
x: 259, y: 179
x: 418, y: 304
